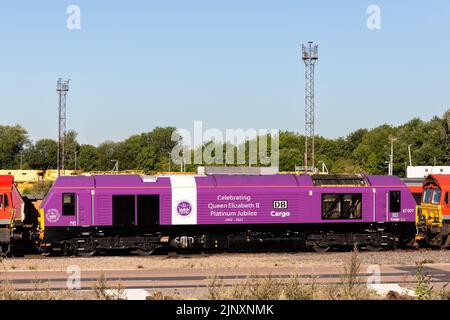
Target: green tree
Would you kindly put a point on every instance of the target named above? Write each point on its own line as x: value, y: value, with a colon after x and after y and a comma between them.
x: 344, y: 165
x: 42, y: 155
x: 127, y: 151
x: 147, y: 159
x: 161, y: 139
x: 70, y: 147
x: 106, y: 153
x: 289, y: 158
x: 352, y: 141
x: 88, y: 158
x: 374, y: 149
x: 13, y: 139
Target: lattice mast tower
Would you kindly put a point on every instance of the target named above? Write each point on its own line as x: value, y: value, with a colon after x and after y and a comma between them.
x: 310, y: 56
x: 62, y: 87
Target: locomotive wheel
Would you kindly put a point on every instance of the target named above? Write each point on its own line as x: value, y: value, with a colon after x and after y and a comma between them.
x: 435, y: 241
x: 374, y: 248
x: 86, y: 253
x: 446, y: 244
x: 68, y: 249
x: 321, y: 246
x: 5, y: 249
x: 142, y: 252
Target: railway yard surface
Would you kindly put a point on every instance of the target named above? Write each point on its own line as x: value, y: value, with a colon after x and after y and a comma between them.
x: 191, y: 275
x: 224, y: 260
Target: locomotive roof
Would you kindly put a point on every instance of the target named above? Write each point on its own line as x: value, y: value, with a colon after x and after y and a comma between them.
x: 356, y: 180
x: 287, y: 180
x: 386, y: 181
x: 6, y: 181
x: 441, y: 180
x: 415, y: 185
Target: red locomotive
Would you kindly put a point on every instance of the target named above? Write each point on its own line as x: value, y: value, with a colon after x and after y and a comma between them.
x: 433, y: 214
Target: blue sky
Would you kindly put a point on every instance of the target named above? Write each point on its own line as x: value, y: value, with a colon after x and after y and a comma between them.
x: 135, y: 65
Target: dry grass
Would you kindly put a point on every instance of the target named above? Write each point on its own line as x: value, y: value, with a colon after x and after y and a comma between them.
x: 103, y: 291
x: 352, y: 286
x: 296, y: 287
x: 424, y: 290
x: 263, y: 288
x: 159, y: 295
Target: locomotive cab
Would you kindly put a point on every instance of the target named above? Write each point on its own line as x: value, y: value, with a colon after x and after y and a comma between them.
x: 433, y: 214
x: 6, y: 208
x: 14, y: 227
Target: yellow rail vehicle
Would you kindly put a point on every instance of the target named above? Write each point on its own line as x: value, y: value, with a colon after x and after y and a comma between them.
x: 433, y: 214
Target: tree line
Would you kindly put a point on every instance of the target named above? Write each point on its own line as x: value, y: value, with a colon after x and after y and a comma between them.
x: 364, y: 150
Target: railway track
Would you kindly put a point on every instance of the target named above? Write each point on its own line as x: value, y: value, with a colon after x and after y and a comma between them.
x: 201, y: 279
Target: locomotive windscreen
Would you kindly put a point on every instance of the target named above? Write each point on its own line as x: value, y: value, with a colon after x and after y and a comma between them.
x: 338, y: 180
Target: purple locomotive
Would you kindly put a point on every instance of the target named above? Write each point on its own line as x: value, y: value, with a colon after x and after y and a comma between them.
x: 88, y: 214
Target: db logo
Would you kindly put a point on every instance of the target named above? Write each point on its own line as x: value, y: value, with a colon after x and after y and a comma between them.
x: 280, y: 204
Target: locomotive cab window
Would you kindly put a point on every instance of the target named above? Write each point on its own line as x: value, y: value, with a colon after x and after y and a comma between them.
x: 395, y: 201
x: 341, y: 206
x: 446, y: 199
x: 436, y: 196
x: 68, y: 200
x: 4, y: 201
x: 427, y: 195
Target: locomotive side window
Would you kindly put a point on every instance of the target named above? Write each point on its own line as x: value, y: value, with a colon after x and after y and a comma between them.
x: 436, y: 196
x: 446, y: 200
x: 68, y: 200
x: 341, y: 206
x: 1, y: 201
x: 395, y: 201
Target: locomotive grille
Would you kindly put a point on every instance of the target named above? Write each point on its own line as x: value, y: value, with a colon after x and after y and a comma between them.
x: 339, y: 180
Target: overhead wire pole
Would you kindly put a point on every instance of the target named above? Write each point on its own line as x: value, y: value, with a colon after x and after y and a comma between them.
x: 62, y: 87
x: 391, y: 156
x: 310, y: 55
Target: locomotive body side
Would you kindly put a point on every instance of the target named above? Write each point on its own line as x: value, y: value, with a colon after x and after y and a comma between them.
x: 88, y: 214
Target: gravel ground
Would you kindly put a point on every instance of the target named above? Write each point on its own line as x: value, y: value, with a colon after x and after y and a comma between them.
x: 224, y: 261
